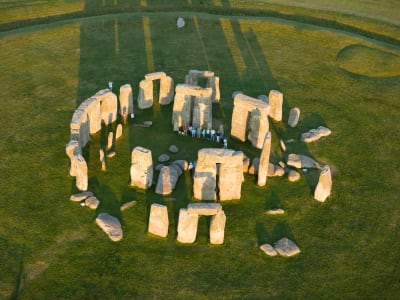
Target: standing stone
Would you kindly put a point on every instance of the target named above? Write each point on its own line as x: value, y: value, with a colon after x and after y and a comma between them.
x: 166, y: 90
x: 294, y: 116
x: 205, y: 182
x: 180, y: 23
x: 108, y: 106
x: 158, y: 221
x: 264, y: 161
x: 167, y: 180
x: 293, y: 176
x: 231, y: 177
x: 187, y: 226
x: 81, y: 172
x: 72, y: 149
x: 276, y: 102
x: 145, y: 97
x: 246, y: 164
x: 118, y: 132
x: 110, y: 140
x: 324, y: 186
x: 110, y: 225
x: 126, y: 99
x: 141, y: 168
x: 217, y: 228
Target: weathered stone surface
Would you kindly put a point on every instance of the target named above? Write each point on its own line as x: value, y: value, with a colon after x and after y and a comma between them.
x: 110, y: 140
x: 282, y: 164
x: 324, y: 186
x: 81, y: 172
x: 204, y: 209
x: 158, y: 220
x: 145, y: 97
x: 315, y: 134
x: 275, y: 102
x: 108, y: 106
x: 230, y: 180
x: 277, y: 211
x: 283, y: 145
x: 268, y: 249
x: 271, y: 170
x: 104, y: 166
x: 127, y: 205
x: 279, y: 171
x: 173, y: 149
x: 246, y: 164
x: 163, y: 158
x: 110, y: 225
x: 177, y: 168
x: 293, y: 176
x: 301, y: 161
x: 92, y: 202
x: 126, y: 99
x: 187, y: 226
x: 118, y: 132
x: 167, y: 180
x: 92, y: 108
x: 166, y: 94
x: 286, y: 247
x: 102, y: 156
x: 183, y: 164
x: 180, y: 23
x: 264, y: 161
x: 213, y: 83
x: 294, y: 116
x: 254, y: 166
x: 81, y: 196
x: 141, y: 168
x: 72, y: 149
x: 217, y: 228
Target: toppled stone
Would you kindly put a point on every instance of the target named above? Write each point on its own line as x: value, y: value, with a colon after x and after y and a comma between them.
x: 81, y: 196
x: 294, y: 116
x: 315, y: 134
x: 283, y: 145
x: 163, y: 158
x: 279, y: 171
x: 277, y: 211
x: 92, y: 202
x: 268, y: 249
x: 110, y: 225
x: 286, y: 247
x: 271, y: 170
x: 275, y: 170
x: 324, y: 186
x: 111, y: 154
x: 127, y: 205
x: 282, y: 164
x: 173, y: 149
x: 204, y: 209
x: 158, y: 220
x: 293, y: 176
x: 301, y: 161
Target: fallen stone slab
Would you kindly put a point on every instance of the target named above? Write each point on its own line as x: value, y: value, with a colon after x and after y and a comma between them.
x: 81, y: 196
x: 92, y: 202
x: 269, y: 250
x: 294, y: 116
x: 110, y: 225
x: 173, y: 149
x: 315, y: 134
x: 163, y: 158
x: 286, y: 247
x: 204, y: 209
x: 127, y: 205
x: 277, y: 211
x: 293, y: 176
x: 301, y: 161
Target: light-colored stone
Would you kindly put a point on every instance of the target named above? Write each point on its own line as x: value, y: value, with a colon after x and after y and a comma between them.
x: 187, y: 226
x: 158, y: 220
x: 286, y: 247
x: 293, y: 176
x: 264, y: 161
x: 127, y: 205
x: 204, y: 209
x: 163, y: 158
x: 110, y: 225
x: 173, y: 149
x: 141, y: 168
x: 183, y: 164
x: 268, y: 249
x: 145, y: 97
x: 104, y: 166
x: 276, y: 103
x: 102, y: 156
x: 217, y: 228
x: 277, y: 211
x: 118, y: 131
x: 81, y: 196
x: 324, y: 186
x: 301, y: 161
x: 72, y: 149
x: 279, y: 171
x: 294, y: 116
x: 166, y: 94
x: 180, y: 23
x: 283, y: 145
x: 126, y: 100
x: 167, y: 180
x: 271, y: 170
x: 246, y: 164
x: 110, y: 140
x: 92, y: 202
x: 282, y: 164
x: 108, y: 106
x: 81, y: 172
x: 315, y: 134
x: 111, y: 154
x: 254, y: 166
x: 148, y: 123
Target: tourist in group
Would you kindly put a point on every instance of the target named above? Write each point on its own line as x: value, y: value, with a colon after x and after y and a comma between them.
x: 193, y: 132
x: 225, y: 143
x: 208, y: 137
x: 110, y: 85
x: 217, y: 136
x: 203, y: 133
x: 212, y: 132
x: 198, y: 132
x: 191, y: 166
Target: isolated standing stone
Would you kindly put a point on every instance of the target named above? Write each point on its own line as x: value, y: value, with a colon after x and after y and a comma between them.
x: 163, y: 158
x: 275, y: 102
x: 145, y: 97
x: 264, y: 161
x: 324, y: 186
x: 294, y: 116
x: 187, y: 226
x: 110, y: 225
x: 268, y: 249
x: 217, y: 228
x: 158, y: 221
x: 141, y: 168
x: 286, y: 247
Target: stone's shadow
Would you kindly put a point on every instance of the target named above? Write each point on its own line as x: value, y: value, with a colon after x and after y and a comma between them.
x: 272, y: 200
x: 262, y: 235
x: 281, y: 230
x: 19, y: 280
x: 108, y: 202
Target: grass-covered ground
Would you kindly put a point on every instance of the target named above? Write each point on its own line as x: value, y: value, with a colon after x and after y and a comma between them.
x: 51, y: 248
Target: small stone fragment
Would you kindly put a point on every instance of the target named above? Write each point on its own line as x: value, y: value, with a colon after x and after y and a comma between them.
x: 277, y: 211
x: 92, y: 202
x: 81, y: 196
x: 127, y: 205
x: 110, y: 225
x: 293, y: 176
x: 268, y: 249
x: 163, y: 158
x: 294, y: 116
x: 173, y: 149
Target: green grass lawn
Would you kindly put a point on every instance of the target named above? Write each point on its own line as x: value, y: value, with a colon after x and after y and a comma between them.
x: 51, y: 248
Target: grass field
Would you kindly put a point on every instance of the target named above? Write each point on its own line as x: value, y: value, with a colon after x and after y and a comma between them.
x: 51, y: 248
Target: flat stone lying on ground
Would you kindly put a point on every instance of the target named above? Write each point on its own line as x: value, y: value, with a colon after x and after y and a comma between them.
x: 301, y: 161
x: 163, y: 158
x: 173, y: 149
x: 81, y: 196
x: 324, y: 186
x: 110, y: 225
x: 315, y: 134
x: 127, y: 205
x: 158, y: 220
x: 277, y: 211
x: 268, y: 249
x: 286, y: 247
x: 293, y: 176
x: 92, y: 202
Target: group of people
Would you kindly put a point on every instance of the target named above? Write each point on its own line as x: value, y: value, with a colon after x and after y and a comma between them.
x: 208, y: 134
